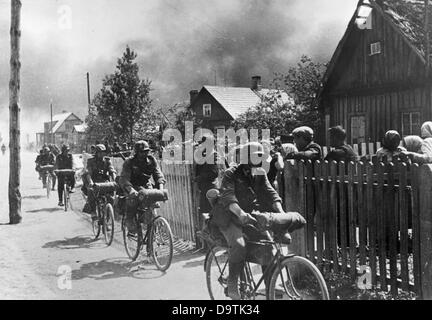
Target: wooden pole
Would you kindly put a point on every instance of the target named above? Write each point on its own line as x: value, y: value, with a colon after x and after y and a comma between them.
x: 14, y: 116
x: 88, y: 91
x: 427, y: 36
x: 51, y: 124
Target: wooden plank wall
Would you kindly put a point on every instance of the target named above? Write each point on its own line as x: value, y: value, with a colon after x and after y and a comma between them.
x: 382, y: 111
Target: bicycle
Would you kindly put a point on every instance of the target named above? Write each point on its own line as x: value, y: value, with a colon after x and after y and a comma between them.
x: 152, y: 230
x: 66, y: 173
x: 291, y: 277
x: 104, y: 194
x: 47, y: 177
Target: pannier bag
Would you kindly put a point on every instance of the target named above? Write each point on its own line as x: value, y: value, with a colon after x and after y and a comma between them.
x: 106, y: 187
x: 280, y: 222
x: 152, y: 195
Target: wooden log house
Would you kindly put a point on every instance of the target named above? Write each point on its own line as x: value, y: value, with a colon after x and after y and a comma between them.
x: 379, y: 77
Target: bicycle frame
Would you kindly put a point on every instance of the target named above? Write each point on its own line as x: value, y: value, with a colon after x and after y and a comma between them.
x: 275, y: 262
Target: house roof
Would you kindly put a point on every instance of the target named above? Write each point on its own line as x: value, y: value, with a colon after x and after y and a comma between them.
x: 59, y: 119
x: 237, y: 100
x: 409, y: 17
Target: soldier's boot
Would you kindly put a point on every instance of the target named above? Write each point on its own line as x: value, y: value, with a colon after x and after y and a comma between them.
x: 234, y: 272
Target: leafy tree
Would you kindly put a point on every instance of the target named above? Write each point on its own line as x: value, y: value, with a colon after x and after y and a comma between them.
x: 123, y: 106
x: 97, y: 129
x: 301, y: 82
x: 177, y: 116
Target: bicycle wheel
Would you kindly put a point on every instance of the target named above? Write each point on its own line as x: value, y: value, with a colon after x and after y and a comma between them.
x: 297, y: 279
x: 96, y: 226
x: 108, y: 224
x: 161, y: 243
x: 66, y: 197
x: 217, y: 273
x: 132, y: 242
x: 48, y: 185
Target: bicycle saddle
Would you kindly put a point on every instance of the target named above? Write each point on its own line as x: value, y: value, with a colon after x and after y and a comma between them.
x: 65, y: 172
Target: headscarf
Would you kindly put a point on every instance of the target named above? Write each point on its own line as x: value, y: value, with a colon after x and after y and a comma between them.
x: 426, y: 130
x: 392, y: 140
x: 413, y: 143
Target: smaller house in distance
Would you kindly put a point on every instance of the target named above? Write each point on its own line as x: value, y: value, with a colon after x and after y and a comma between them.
x: 62, y: 129
x: 217, y: 106
x: 79, y: 136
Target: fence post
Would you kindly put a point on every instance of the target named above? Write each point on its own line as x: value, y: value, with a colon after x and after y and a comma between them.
x: 294, y: 199
x: 426, y: 231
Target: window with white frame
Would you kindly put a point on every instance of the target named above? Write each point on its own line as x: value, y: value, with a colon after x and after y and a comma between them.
x: 375, y: 48
x: 207, y: 110
x: 410, y: 123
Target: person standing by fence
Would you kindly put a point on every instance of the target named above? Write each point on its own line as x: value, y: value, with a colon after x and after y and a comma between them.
x: 391, y: 147
x: 342, y: 151
x: 307, y: 148
x: 207, y: 175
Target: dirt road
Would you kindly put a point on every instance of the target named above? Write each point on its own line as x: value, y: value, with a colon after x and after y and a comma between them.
x: 38, y: 255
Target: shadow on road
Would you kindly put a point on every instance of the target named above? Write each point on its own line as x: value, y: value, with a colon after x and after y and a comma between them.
x: 45, y: 210
x: 80, y: 242
x: 114, y: 269
x: 34, y: 197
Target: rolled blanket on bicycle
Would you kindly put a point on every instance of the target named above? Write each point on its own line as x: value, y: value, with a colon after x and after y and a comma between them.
x: 46, y: 168
x: 280, y: 222
x: 65, y: 172
x: 152, y: 195
x: 106, y: 187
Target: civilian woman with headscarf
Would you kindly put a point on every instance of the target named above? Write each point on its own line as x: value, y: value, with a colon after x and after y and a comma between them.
x: 414, y: 146
x: 391, y: 146
x: 426, y: 134
x: 419, y: 150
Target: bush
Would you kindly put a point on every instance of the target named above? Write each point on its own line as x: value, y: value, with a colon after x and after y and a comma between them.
x: 342, y: 287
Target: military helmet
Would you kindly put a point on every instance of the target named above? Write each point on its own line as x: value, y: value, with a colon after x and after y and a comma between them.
x: 100, y: 148
x: 142, y: 146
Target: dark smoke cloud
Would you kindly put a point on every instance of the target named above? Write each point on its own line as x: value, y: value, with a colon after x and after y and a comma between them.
x: 181, y: 45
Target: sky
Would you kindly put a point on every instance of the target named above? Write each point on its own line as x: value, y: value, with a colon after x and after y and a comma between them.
x: 181, y: 45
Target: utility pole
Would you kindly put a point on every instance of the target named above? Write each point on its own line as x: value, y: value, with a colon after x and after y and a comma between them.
x: 51, y: 124
x: 427, y: 36
x: 14, y: 116
x: 88, y: 91
x: 428, y: 56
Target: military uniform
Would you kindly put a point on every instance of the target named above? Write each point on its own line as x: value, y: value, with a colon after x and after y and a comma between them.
x: 250, y: 193
x: 64, y: 162
x: 42, y: 160
x: 136, y: 174
x: 97, y: 171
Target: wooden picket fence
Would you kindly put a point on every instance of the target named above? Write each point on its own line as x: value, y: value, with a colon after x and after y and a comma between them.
x: 363, y: 215
x: 181, y: 208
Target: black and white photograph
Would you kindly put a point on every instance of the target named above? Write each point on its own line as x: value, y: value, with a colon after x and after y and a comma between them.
x: 238, y: 151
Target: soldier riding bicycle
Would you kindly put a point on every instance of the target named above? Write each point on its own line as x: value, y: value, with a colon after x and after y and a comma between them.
x: 136, y: 174
x: 244, y: 189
